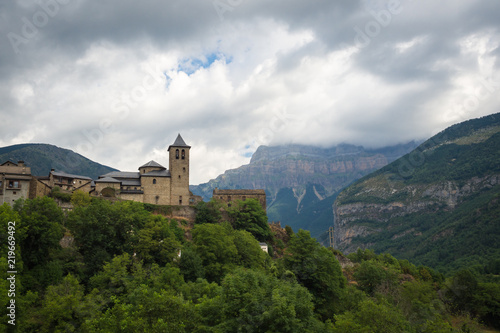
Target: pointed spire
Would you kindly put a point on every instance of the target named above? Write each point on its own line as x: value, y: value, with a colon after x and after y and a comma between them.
x: 179, y: 142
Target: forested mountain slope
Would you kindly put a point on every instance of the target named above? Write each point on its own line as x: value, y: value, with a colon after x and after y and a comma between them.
x: 438, y: 205
x: 44, y: 157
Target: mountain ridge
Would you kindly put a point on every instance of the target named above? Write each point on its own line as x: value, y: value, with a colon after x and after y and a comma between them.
x: 422, y: 201
x: 42, y: 157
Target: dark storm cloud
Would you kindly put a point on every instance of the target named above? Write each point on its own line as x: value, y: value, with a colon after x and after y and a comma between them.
x: 233, y: 74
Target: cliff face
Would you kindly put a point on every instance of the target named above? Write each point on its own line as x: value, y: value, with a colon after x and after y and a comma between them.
x: 355, y: 220
x: 427, y: 205
x: 295, y: 166
x: 301, y: 182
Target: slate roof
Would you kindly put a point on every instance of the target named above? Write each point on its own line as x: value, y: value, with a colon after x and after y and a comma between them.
x: 131, y: 182
x: 107, y: 180
x: 157, y: 173
x: 152, y: 164
x: 68, y: 175
x: 17, y: 177
x: 179, y: 142
x: 122, y: 174
x: 8, y: 162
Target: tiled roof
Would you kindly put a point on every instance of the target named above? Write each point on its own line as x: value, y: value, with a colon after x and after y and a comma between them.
x: 152, y: 164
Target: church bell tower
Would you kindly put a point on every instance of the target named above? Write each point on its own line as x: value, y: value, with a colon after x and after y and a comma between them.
x: 179, y: 172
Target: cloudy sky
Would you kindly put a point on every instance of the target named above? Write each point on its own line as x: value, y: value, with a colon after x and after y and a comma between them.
x: 116, y: 80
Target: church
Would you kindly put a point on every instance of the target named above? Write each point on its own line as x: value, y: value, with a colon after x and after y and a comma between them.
x: 153, y: 183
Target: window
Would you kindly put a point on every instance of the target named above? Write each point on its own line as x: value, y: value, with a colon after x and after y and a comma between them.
x: 154, y: 181
x: 183, y: 154
x: 179, y: 176
x: 184, y: 169
x: 180, y: 200
x: 157, y: 199
x: 177, y: 154
x: 14, y: 184
x: 244, y: 198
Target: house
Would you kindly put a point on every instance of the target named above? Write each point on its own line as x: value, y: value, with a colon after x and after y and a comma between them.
x: 264, y: 247
x: 15, y: 181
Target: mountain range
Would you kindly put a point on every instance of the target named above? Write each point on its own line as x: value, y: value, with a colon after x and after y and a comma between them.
x: 301, y: 182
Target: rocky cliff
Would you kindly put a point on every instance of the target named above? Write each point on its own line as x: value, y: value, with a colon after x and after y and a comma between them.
x: 301, y: 182
x: 295, y: 166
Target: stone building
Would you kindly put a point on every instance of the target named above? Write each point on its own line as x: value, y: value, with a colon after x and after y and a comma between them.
x: 153, y: 183
x: 230, y: 196
x: 15, y: 181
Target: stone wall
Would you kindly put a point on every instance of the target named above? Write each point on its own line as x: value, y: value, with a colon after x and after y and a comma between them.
x: 156, y: 193
x: 229, y: 196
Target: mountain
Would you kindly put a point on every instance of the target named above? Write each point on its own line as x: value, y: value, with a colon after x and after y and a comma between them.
x: 302, y: 182
x: 44, y: 157
x: 437, y: 206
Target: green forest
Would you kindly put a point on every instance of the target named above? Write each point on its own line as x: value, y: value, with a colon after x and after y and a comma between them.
x: 123, y: 267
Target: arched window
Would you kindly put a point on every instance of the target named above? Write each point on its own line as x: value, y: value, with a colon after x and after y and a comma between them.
x: 177, y: 154
x: 183, y: 154
x: 157, y: 198
x: 154, y: 181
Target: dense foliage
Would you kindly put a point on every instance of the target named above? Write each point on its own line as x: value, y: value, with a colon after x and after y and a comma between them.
x: 129, y: 270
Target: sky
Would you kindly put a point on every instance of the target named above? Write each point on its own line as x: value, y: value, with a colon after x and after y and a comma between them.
x: 117, y: 80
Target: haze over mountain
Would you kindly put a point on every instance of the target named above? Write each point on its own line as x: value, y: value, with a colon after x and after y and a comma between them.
x: 438, y: 205
x: 301, y: 181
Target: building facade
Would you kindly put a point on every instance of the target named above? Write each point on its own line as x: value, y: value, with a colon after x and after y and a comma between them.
x: 15, y: 181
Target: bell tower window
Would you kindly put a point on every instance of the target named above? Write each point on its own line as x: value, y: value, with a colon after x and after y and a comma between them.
x: 183, y: 154
x: 177, y: 154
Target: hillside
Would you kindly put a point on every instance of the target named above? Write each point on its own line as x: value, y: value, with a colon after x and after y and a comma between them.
x: 436, y: 206
x: 302, y: 182
x: 44, y: 157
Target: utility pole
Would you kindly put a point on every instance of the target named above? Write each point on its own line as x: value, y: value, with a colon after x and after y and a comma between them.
x: 330, y: 232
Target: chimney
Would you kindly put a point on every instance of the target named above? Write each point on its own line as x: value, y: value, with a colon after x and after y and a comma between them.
x: 20, y: 163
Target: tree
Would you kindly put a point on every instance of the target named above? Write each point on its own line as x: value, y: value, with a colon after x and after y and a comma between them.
x: 317, y: 269
x: 156, y: 242
x: 103, y: 230
x: 191, y: 264
x: 208, y: 212
x: 250, y: 216
x: 372, y: 317
x: 60, y: 307
x: 255, y: 302
x: 250, y: 254
x: 372, y: 274
x: 214, y: 244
